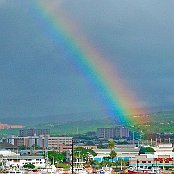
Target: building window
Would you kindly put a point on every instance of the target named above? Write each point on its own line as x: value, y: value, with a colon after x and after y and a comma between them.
x: 143, y: 161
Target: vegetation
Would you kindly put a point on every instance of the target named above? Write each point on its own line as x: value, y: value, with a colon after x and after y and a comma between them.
x: 111, y: 144
x: 56, y: 156
x: 158, y: 123
x: 6, y: 132
x: 112, y: 154
x: 65, y: 128
x: 106, y: 158
x: 122, y: 163
x: 86, y: 154
x: 150, y: 125
x: 76, y: 127
x: 95, y: 164
x: 144, y: 150
x: 22, y: 147
x: 29, y: 166
x: 63, y: 165
x: 106, y: 163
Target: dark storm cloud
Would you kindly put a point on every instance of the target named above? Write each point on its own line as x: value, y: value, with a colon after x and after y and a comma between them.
x: 37, y: 79
x: 138, y: 37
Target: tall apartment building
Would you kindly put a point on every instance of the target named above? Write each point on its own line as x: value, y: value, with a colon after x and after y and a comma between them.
x: 54, y: 142
x: 28, y: 141
x: 33, y: 132
x: 116, y: 132
x: 106, y: 133
x: 43, y: 141
x: 124, y: 132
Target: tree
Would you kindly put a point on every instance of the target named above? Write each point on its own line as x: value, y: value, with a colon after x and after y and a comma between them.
x: 106, y: 161
x: 29, y: 166
x: 144, y: 150
x: 95, y: 164
x: 86, y: 154
x: 106, y: 158
x: 121, y: 162
x: 112, y: 154
x: 56, y: 156
x: 23, y: 147
x: 35, y: 147
x: 111, y: 144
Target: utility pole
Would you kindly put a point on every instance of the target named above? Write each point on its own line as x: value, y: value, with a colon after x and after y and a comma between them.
x: 46, y: 156
x: 72, y: 161
x: 137, y: 164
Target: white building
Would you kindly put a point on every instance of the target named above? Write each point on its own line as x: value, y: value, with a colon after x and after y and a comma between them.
x: 124, y: 152
x: 164, y: 156
x: 164, y: 149
x: 5, y: 153
x: 20, y: 161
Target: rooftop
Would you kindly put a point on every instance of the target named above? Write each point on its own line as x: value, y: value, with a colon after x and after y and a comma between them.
x: 7, y: 146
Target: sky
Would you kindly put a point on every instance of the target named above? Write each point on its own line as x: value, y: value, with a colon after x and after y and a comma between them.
x: 36, y: 79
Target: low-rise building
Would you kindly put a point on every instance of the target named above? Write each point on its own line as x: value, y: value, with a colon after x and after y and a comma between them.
x: 164, y: 149
x: 162, y: 157
x: 150, y: 160
x: 5, y: 145
x: 20, y: 161
x: 124, y: 152
x: 5, y: 153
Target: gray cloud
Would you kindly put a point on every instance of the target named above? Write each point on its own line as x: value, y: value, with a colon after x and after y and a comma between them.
x: 37, y: 78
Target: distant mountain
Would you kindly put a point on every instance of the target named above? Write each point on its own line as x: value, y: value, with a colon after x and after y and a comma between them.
x: 73, y: 117
x: 167, y: 108
x: 60, y: 118
x: 77, y: 127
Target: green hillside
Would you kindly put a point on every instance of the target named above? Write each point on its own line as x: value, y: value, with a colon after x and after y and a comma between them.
x: 72, y: 128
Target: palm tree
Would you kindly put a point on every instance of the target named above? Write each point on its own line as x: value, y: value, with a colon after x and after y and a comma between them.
x: 113, y: 154
x: 111, y: 144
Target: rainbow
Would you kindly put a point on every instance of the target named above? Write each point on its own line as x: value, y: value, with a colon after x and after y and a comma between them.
x: 115, y: 97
